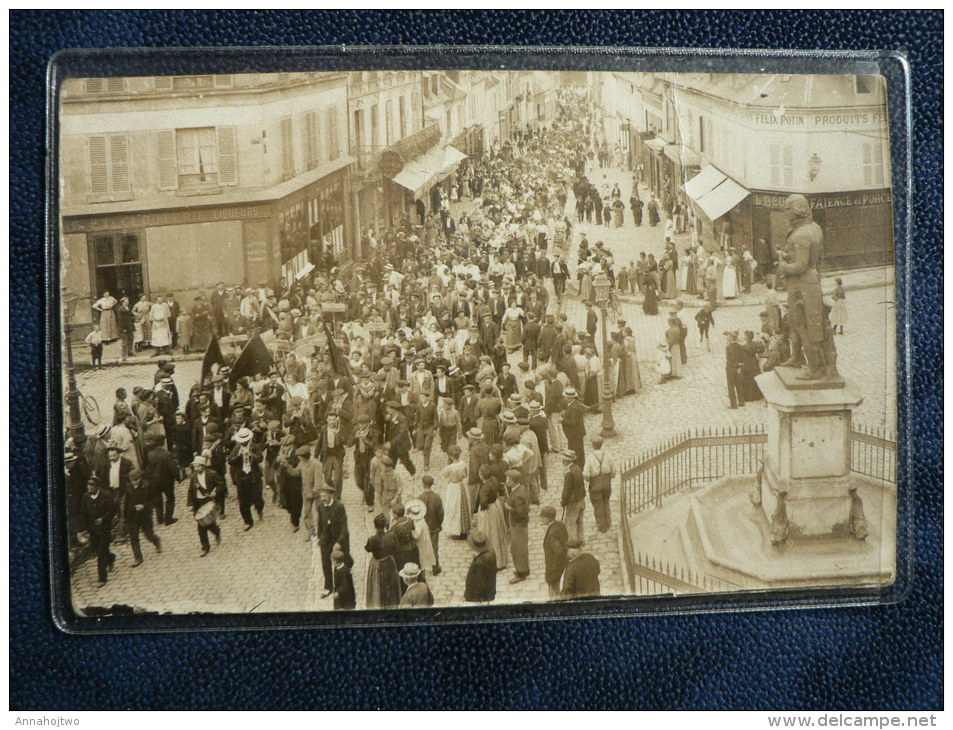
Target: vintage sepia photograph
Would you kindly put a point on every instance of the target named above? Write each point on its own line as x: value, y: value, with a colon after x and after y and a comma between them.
x: 406, y: 339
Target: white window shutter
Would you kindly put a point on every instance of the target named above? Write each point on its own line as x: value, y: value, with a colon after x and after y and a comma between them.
x: 168, y: 170
x: 94, y: 86
x: 163, y: 83
x: 287, y: 149
x: 98, y: 164
x: 116, y: 84
x: 227, y: 156
x: 223, y: 81
x: 119, y: 162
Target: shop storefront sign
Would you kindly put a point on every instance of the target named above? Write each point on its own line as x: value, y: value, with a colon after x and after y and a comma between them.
x: 826, y: 200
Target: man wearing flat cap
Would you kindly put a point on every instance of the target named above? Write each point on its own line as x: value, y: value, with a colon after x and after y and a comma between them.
x: 97, y: 511
x: 573, y: 424
x: 517, y: 507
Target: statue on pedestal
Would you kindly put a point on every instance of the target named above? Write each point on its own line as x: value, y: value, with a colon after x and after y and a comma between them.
x: 807, y: 313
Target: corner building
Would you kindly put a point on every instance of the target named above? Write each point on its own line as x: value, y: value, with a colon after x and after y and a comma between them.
x: 173, y: 183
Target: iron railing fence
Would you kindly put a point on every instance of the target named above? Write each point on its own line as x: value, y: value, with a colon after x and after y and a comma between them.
x: 699, y: 456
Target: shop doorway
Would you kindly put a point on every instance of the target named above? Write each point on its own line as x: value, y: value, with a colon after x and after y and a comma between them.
x: 117, y: 265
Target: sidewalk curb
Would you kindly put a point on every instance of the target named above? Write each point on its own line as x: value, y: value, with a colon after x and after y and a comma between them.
x: 191, y: 357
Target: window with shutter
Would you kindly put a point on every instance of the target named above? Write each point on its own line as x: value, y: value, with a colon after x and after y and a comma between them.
x: 94, y: 86
x: 98, y: 165
x: 163, y: 83
x: 119, y: 163
x: 168, y: 171
x: 287, y: 149
x: 116, y: 84
x: 334, y: 150
x: 227, y: 156
x: 108, y: 167
x: 223, y: 81
x: 311, y: 139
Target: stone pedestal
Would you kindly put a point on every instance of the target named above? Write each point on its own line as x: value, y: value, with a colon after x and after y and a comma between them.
x: 806, y: 489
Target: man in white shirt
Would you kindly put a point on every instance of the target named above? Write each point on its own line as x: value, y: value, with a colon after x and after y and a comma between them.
x: 599, y: 469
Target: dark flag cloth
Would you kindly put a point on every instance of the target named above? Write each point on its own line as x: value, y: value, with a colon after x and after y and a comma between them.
x: 255, y: 358
x: 213, y: 355
x: 337, y: 359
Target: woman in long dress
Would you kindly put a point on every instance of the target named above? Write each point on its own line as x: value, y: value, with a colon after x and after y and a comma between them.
x: 729, y: 279
x: 650, y: 303
x: 839, y: 310
x: 586, y: 292
x: 456, y: 499
x: 142, y: 332
x: 513, y: 326
x: 632, y: 357
x: 492, y: 521
x: 107, y: 316
x: 593, y: 391
x: 417, y: 512
x: 382, y: 586
x: 621, y: 366
x: 668, y: 287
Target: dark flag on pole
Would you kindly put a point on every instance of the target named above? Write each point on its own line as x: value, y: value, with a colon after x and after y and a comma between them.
x: 337, y: 359
x: 255, y: 358
x: 213, y: 355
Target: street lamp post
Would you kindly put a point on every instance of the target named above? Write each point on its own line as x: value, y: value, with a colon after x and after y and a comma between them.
x: 601, y: 286
x: 72, y: 392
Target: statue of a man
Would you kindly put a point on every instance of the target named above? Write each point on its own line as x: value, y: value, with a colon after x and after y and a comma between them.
x: 807, y: 313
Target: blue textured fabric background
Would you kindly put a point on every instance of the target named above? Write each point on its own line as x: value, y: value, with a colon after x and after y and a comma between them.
x: 868, y: 657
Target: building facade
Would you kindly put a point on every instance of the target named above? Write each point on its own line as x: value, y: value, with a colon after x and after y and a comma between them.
x: 748, y: 141
x: 161, y: 176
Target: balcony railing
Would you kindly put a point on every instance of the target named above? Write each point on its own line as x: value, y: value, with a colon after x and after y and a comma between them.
x: 409, y: 147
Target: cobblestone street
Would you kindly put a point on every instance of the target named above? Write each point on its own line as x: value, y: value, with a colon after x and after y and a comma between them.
x: 271, y: 569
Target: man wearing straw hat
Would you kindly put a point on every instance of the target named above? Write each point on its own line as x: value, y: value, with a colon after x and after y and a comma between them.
x: 416, y: 594
x: 573, y: 500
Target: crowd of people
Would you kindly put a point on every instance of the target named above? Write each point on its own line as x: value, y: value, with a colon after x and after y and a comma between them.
x: 445, y: 339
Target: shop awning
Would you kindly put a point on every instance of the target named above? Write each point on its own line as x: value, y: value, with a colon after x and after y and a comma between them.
x: 714, y: 192
x: 682, y: 155
x: 656, y: 145
x: 421, y: 173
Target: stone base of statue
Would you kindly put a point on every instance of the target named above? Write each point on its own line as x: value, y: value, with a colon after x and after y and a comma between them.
x: 805, y: 519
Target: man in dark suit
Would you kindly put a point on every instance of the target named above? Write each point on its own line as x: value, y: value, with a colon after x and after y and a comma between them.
x: 506, y: 383
x: 433, y: 518
x: 162, y: 471
x: 330, y: 449
x: 734, y: 363
x: 114, y: 472
x: 554, y: 548
x: 398, y: 436
x: 547, y: 338
x: 200, y: 427
x: 574, y: 425
x: 217, y: 303
x: 138, y: 508
x: 481, y: 577
x: 581, y: 578
x: 97, y: 510
x: 332, y: 530
x: 592, y: 320
x: 560, y: 275
x: 531, y: 335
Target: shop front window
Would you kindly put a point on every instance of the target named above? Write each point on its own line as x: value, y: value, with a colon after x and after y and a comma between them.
x: 117, y: 265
